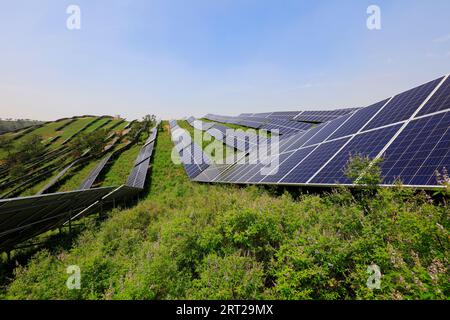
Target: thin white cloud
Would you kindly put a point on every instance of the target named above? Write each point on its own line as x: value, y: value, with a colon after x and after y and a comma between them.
x: 441, y: 39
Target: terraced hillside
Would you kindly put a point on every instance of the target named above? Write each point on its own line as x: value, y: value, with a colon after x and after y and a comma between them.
x: 191, y: 240
x: 25, y: 174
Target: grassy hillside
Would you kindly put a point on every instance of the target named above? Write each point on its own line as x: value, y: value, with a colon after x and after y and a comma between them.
x: 11, y: 125
x: 189, y: 240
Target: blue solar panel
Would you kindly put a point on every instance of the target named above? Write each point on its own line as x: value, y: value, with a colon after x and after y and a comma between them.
x: 313, y: 162
x: 328, y: 130
x: 303, y: 138
x: 245, y: 173
x: 287, y: 162
x: 420, y: 150
x: 288, y: 115
x: 194, y: 160
x: 358, y: 120
x: 439, y: 101
x: 402, y: 106
x: 366, y: 144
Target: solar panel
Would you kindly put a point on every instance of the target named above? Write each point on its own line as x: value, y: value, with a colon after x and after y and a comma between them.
x: 194, y: 160
x: 308, y: 166
x: 138, y: 174
x: 439, y: 101
x: 137, y: 179
x: 328, y: 130
x: 287, y: 115
x: 358, y: 120
x: 300, y: 139
x: 24, y: 218
x: 420, y: 149
x: 270, y: 170
x: 365, y: 144
x: 402, y: 106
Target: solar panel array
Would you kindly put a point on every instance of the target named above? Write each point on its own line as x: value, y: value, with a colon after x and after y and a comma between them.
x: 24, y: 218
x: 138, y: 174
x: 191, y: 155
x: 57, y: 177
x: 237, y: 139
x: 90, y: 179
x: 322, y: 115
x: 409, y: 131
x: 281, y: 121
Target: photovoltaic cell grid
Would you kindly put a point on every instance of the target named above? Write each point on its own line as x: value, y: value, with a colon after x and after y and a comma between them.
x: 309, y: 165
x: 24, y: 218
x: 138, y: 174
x: 439, y: 101
x: 300, y: 140
x: 420, y: 149
x: 318, y: 155
x: 287, y: 162
x: 358, y: 120
x: 402, y: 106
x: 194, y: 160
x: 322, y: 116
x: 328, y: 130
x: 366, y: 144
x: 285, y: 115
x: 90, y: 179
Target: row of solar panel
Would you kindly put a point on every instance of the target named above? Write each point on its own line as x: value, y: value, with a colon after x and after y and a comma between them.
x: 280, y: 126
x: 309, y: 116
x: 410, y: 131
x: 191, y: 155
x: 24, y: 218
x: 138, y: 174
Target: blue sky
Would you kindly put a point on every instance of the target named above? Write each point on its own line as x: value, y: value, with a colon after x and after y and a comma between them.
x: 180, y: 58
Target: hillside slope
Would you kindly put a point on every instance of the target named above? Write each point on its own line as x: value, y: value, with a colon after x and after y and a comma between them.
x: 189, y: 240
x: 11, y: 125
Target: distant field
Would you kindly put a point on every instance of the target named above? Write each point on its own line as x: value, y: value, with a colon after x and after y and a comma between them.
x: 98, y: 124
x: 74, y: 127
x: 11, y: 125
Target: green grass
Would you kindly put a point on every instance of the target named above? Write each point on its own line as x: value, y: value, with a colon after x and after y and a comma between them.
x: 121, y: 126
x: 60, y: 161
x: 12, y: 125
x: 72, y: 128
x: 189, y: 240
x: 121, y: 168
x: 112, y: 123
x: 76, y: 176
x: 47, y: 131
x: 98, y: 124
x: 37, y: 187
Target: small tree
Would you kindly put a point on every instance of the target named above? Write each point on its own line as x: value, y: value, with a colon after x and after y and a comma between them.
x: 6, y: 144
x: 364, y: 171
x: 32, y: 146
x: 93, y: 141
